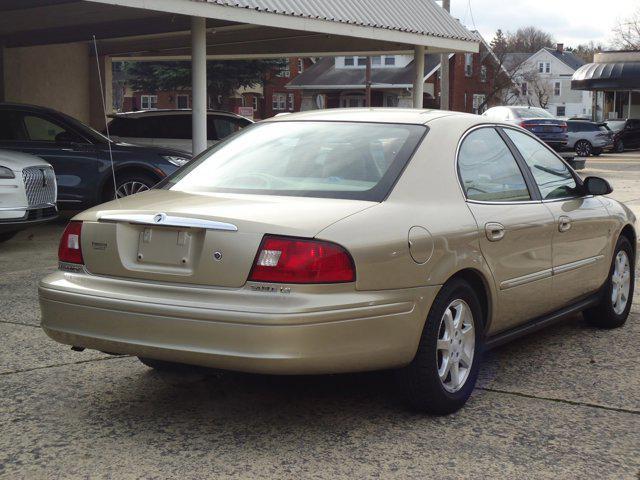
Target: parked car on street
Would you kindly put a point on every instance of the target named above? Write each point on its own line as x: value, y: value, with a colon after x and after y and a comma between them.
x: 27, y: 193
x: 538, y: 121
x: 172, y: 128
x: 347, y: 240
x: 81, y: 157
x: 588, y: 138
x: 626, y: 134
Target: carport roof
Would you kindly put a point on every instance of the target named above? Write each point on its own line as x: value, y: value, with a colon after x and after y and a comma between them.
x: 236, y: 28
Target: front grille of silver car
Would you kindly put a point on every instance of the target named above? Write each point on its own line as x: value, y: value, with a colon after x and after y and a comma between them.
x: 40, y: 185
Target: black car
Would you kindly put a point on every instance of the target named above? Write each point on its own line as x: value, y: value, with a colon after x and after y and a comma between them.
x: 81, y: 156
x: 626, y: 134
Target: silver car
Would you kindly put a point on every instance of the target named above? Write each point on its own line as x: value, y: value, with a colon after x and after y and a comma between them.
x: 588, y: 138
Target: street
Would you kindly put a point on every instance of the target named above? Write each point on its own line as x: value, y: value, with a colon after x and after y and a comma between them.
x: 561, y: 403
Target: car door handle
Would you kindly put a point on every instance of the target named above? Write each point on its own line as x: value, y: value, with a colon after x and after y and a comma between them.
x: 564, y: 224
x: 494, y: 231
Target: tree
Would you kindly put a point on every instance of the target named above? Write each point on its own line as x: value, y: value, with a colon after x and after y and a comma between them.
x: 541, y: 89
x: 626, y: 34
x: 528, y: 40
x: 223, y: 77
x: 586, y: 51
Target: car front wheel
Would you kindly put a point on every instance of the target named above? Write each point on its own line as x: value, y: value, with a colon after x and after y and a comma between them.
x: 619, y: 147
x: 443, y: 373
x: 584, y: 148
x: 617, y: 295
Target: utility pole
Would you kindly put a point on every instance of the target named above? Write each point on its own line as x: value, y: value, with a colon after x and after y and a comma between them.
x: 368, y: 82
x: 444, y: 69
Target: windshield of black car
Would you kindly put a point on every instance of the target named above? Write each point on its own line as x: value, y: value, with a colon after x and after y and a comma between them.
x: 616, y: 125
x: 353, y: 160
x: 532, y: 113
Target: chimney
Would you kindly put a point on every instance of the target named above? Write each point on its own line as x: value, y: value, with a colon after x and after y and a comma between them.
x: 560, y: 47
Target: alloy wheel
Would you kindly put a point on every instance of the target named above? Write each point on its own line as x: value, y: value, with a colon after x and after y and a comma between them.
x: 130, y: 188
x: 456, y: 345
x: 621, y: 282
x: 584, y: 148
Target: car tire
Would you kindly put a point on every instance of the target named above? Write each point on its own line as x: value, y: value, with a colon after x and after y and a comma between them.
x: 129, y: 184
x: 7, y: 236
x: 421, y: 381
x: 611, y: 312
x: 583, y: 148
x: 619, y: 147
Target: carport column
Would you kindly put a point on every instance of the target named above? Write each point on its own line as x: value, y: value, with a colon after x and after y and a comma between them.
x: 418, y: 83
x: 199, y: 83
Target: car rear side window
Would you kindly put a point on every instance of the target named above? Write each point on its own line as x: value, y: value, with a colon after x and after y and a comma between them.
x: 488, y: 170
x: 553, y: 177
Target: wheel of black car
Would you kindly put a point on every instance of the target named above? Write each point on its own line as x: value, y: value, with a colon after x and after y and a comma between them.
x: 617, y: 294
x: 584, y: 148
x: 7, y: 236
x: 443, y: 373
x: 132, y: 184
x: 619, y: 147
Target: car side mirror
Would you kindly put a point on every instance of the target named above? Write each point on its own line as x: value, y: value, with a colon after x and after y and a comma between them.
x: 597, y: 186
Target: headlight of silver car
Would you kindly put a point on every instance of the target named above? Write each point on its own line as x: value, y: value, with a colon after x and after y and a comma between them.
x: 177, y: 161
x: 6, y: 172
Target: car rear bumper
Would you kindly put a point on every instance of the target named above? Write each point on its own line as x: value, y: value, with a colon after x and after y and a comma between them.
x: 300, y: 332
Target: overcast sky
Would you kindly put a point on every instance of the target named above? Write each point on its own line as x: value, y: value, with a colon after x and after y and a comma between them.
x: 570, y: 21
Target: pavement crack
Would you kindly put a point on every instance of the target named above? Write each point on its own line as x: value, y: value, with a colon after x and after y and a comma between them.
x: 561, y: 400
x: 56, y: 365
x: 20, y: 324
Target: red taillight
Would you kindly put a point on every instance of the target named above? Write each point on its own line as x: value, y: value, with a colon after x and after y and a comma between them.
x: 564, y: 127
x: 70, y: 249
x: 293, y: 260
x: 523, y: 124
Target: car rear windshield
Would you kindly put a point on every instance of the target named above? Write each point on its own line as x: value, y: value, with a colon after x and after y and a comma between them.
x: 350, y: 160
x: 532, y: 113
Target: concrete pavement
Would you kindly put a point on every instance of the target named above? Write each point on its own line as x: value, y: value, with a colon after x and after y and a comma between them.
x: 563, y: 403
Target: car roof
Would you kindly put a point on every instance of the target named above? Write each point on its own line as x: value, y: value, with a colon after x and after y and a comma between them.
x: 374, y: 115
x: 29, y: 107
x: 176, y: 111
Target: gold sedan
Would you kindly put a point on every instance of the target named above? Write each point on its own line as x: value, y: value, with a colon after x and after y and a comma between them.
x: 347, y: 240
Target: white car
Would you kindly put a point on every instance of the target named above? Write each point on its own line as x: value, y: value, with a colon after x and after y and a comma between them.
x: 28, y: 192
x: 172, y: 128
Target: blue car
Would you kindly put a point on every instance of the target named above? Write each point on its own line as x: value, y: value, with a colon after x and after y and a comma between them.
x: 81, y: 156
x: 538, y: 121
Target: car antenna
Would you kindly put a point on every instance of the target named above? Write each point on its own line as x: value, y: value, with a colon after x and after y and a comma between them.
x: 106, y: 122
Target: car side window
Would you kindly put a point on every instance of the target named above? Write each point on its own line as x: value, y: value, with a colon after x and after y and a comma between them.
x: 11, y: 128
x: 40, y: 129
x: 553, y: 177
x: 488, y: 170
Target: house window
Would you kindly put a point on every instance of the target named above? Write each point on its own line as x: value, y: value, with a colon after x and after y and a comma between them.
x: 523, y: 89
x: 561, y: 111
x: 291, y: 102
x: 544, y: 67
x: 478, y: 101
x: 390, y: 61
x: 483, y: 74
x: 255, y: 104
x: 182, y: 101
x: 376, y: 61
x: 149, y: 102
x: 362, y: 61
x: 285, y: 70
x: 557, y: 89
x: 300, y: 65
x: 279, y: 101
x: 349, y: 61
x: 468, y: 64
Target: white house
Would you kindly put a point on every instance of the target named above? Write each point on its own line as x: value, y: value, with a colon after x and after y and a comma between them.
x: 545, y: 80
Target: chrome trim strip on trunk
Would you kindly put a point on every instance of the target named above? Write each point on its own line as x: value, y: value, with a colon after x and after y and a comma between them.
x: 567, y: 267
x: 164, y: 220
x: 532, y: 277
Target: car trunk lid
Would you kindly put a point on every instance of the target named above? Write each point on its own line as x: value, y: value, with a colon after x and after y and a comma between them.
x: 205, y: 239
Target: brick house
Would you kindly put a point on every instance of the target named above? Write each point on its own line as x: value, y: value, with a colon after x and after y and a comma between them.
x: 340, y: 82
x: 277, y: 97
